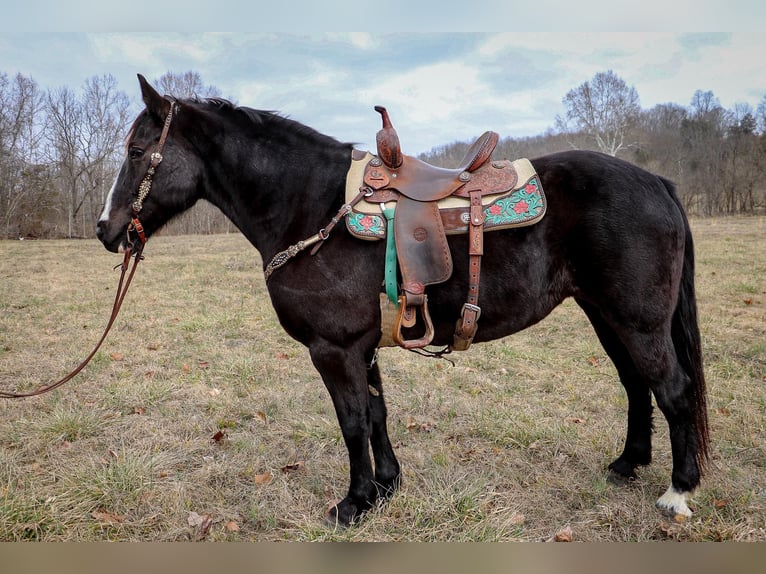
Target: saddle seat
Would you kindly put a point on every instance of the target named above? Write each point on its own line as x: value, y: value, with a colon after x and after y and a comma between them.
x: 417, y: 228
x: 417, y: 179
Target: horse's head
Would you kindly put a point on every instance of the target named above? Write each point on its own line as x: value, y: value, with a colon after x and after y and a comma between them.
x: 147, y: 190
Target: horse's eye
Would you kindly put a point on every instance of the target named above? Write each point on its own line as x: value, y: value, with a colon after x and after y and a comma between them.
x: 135, y: 152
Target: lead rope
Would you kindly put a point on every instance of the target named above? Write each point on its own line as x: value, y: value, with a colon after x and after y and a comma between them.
x: 131, y: 250
x: 119, y: 297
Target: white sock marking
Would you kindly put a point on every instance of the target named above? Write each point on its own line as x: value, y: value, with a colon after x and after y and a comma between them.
x: 674, y: 502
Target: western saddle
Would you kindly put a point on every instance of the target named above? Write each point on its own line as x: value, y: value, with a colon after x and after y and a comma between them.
x: 422, y: 250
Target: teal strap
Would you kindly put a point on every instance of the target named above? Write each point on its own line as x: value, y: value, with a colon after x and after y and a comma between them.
x: 390, y: 274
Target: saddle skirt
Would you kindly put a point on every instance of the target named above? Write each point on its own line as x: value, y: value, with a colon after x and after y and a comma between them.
x: 521, y: 205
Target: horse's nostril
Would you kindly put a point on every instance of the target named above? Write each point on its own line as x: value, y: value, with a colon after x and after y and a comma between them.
x: 100, y: 230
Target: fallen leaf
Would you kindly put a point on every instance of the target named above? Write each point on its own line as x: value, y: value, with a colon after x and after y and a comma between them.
x: 292, y: 467
x: 518, y: 519
x: 231, y: 526
x: 202, y: 522
x: 720, y: 503
x: 668, y: 529
x: 680, y: 518
x: 282, y: 356
x: 577, y: 420
x: 153, y: 346
x: 149, y: 374
x: 214, y: 392
x: 186, y: 368
x: 563, y: 535
x: 194, y: 520
x: 747, y: 301
x: 107, y: 517
x: 219, y: 436
x: 593, y: 361
x: 724, y: 411
x: 263, y: 478
x: 117, y: 356
x: 203, y: 364
x: 261, y: 415
x: 428, y: 426
x: 138, y: 411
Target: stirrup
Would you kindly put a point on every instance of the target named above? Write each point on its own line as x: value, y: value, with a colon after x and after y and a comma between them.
x: 405, y: 317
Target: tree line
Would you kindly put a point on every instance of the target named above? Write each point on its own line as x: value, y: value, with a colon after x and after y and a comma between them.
x: 60, y: 149
x: 715, y: 156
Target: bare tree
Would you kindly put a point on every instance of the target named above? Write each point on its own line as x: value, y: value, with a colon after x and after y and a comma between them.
x: 760, y: 116
x: 604, y: 108
x: 83, y: 135
x: 186, y: 85
x: 105, y: 118
x: 21, y: 120
x: 659, y: 136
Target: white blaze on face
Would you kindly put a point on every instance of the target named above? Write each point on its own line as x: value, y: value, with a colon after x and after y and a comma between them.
x: 108, y: 205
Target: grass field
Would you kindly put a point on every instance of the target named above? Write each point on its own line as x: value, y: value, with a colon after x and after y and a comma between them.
x: 510, y: 444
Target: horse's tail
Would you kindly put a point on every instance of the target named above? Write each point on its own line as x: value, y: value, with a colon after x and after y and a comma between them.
x: 686, y: 337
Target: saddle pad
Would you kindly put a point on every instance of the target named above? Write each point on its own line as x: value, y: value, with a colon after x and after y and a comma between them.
x: 523, y: 205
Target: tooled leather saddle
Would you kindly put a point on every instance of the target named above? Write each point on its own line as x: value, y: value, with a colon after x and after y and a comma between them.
x: 430, y: 203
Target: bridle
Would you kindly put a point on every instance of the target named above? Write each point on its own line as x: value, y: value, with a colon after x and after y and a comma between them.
x: 146, y: 183
x: 133, y: 250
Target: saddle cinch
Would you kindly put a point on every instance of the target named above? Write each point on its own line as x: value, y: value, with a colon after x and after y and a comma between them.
x: 415, y: 206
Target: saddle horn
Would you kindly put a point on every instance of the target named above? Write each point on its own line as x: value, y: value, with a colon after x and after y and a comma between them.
x: 389, y: 149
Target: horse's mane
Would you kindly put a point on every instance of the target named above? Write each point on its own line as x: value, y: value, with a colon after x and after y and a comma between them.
x: 255, y: 117
x: 263, y: 118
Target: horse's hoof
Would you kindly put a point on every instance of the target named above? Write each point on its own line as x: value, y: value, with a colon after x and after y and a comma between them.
x: 620, y: 479
x: 673, y: 503
x: 342, y: 515
x: 387, y: 487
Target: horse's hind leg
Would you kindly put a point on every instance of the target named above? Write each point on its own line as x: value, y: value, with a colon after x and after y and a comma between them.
x: 638, y: 445
x: 387, y: 471
x: 654, y: 357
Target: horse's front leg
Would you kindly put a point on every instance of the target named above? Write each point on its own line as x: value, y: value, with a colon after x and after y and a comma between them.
x: 387, y: 470
x: 344, y: 373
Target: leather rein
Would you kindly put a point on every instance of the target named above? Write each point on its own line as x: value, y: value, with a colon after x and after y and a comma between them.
x: 133, y: 250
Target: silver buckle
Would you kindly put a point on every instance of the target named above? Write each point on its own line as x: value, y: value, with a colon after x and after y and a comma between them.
x: 475, y: 308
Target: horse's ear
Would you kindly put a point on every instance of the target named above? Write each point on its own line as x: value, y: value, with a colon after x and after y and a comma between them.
x: 155, y: 103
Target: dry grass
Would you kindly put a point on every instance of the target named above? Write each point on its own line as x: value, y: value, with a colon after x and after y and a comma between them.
x: 510, y: 444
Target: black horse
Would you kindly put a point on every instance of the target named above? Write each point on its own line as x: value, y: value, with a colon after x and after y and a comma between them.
x: 615, y: 238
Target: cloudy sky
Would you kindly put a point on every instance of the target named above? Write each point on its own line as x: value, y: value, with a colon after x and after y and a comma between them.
x: 439, y: 87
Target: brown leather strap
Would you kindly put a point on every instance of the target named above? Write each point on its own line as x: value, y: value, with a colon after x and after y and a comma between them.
x: 131, y: 250
x: 467, y: 325
x: 122, y: 290
x: 317, y: 240
x: 156, y: 158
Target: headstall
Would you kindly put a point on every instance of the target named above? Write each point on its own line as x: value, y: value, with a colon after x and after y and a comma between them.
x: 146, y: 184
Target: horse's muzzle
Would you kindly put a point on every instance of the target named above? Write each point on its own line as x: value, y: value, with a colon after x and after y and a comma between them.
x: 112, y: 242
